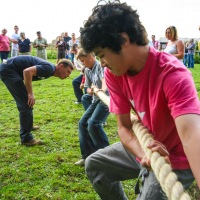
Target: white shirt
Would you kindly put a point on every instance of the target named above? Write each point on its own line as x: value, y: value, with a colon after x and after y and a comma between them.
x: 15, y: 36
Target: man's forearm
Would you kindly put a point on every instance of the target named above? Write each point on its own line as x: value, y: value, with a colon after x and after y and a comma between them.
x: 28, y: 82
x: 130, y: 142
x: 188, y: 127
x: 192, y: 151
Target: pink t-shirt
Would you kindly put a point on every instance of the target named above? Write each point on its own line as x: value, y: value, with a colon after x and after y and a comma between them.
x: 4, y: 43
x: 162, y: 91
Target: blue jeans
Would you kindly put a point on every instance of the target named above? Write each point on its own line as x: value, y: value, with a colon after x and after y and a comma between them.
x: 71, y: 56
x: 76, y: 85
x: 86, y: 100
x: 91, y: 133
x: 190, y: 61
x: 16, y: 87
x: 4, y: 55
x: 185, y: 59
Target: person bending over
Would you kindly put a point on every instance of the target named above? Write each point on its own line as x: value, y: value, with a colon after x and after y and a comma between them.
x: 17, y: 74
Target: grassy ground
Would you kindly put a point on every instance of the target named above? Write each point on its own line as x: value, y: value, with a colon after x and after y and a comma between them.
x: 48, y: 171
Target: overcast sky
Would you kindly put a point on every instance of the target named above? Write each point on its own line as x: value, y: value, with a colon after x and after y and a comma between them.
x: 54, y: 17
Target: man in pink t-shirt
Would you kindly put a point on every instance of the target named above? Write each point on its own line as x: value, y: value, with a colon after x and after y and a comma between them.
x: 158, y: 88
x: 155, y: 43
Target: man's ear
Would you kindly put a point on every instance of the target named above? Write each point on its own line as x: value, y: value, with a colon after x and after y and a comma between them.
x: 60, y: 66
x: 126, y: 39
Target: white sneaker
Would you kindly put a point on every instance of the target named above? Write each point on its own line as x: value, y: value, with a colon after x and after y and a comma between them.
x: 77, y: 102
x: 104, y: 124
x: 81, y: 162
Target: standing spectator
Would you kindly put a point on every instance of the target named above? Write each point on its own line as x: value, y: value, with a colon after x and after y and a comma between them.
x: 185, y: 59
x: 40, y: 44
x: 67, y: 39
x: 174, y: 45
x: 150, y: 43
x: 161, y: 92
x: 4, y: 45
x: 156, y: 43
x: 71, y: 45
x: 91, y: 133
x: 199, y: 47
x: 61, y: 45
x: 17, y: 74
x: 191, y: 48
x: 14, y: 38
x: 24, y: 45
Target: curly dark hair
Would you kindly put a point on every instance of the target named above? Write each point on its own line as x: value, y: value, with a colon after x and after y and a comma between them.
x: 104, y: 27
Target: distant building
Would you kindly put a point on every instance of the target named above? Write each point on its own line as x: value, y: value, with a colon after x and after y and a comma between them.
x: 163, y: 42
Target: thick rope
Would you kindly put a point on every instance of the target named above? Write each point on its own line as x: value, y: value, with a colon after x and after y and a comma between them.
x: 167, y: 178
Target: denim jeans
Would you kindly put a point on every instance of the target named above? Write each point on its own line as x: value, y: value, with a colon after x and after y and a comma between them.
x: 4, y: 55
x: 185, y: 59
x: 71, y: 56
x: 76, y: 85
x: 86, y: 100
x: 190, y: 61
x: 16, y: 87
x: 91, y: 133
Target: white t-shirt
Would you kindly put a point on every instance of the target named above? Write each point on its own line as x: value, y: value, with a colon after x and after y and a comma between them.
x: 15, y: 36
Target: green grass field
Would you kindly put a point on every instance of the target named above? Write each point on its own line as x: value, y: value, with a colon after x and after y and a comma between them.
x: 48, y: 171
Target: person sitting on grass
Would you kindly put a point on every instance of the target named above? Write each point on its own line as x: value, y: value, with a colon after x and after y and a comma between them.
x: 17, y: 74
x: 160, y: 90
x: 91, y: 133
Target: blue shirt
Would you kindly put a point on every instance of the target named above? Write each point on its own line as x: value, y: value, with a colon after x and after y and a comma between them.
x: 24, y: 46
x: 191, y: 48
x: 44, y: 68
